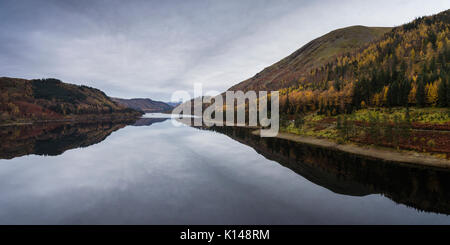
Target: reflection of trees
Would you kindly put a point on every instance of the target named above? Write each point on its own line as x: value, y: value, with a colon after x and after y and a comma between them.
x: 425, y: 189
x: 52, y: 139
x: 55, y: 138
x: 148, y: 121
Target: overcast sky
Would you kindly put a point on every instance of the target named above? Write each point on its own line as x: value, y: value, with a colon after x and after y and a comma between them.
x: 151, y: 48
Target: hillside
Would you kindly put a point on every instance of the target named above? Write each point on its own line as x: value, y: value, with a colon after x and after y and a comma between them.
x: 50, y: 99
x: 408, y: 66
x: 395, y: 92
x: 357, y: 67
x: 316, y: 53
x: 144, y: 105
x: 391, y: 89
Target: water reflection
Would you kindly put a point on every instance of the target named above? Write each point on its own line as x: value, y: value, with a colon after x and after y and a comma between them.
x: 53, y: 139
x: 425, y: 189
x: 149, y: 121
x: 180, y: 175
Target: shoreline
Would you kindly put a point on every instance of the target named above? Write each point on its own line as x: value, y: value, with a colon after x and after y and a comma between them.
x: 385, y: 154
x: 79, y: 119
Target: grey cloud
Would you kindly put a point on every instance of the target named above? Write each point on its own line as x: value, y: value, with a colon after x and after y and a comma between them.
x: 152, y: 48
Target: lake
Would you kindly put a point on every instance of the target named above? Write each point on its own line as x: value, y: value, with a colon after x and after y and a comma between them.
x: 153, y: 172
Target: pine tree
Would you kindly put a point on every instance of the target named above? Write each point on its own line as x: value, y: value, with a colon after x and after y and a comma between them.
x: 442, y: 93
x: 447, y: 80
x: 420, y: 93
x: 287, y: 105
x: 405, y: 88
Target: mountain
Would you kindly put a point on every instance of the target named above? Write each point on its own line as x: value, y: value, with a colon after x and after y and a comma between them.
x: 356, y: 67
x: 51, y: 99
x: 144, y: 105
x: 173, y: 104
x: 320, y: 51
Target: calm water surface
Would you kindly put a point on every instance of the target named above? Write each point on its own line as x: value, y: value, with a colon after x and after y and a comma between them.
x: 155, y: 173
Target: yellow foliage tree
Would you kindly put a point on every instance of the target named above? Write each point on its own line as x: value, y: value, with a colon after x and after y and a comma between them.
x: 412, y: 94
x: 432, y: 93
x: 385, y: 94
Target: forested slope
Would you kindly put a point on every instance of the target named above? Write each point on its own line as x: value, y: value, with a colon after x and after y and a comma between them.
x: 50, y: 99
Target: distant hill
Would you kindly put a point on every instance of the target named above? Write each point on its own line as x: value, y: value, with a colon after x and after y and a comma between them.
x: 51, y: 99
x: 144, y: 105
x: 316, y: 53
x: 173, y: 104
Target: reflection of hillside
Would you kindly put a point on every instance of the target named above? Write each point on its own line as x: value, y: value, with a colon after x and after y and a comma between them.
x: 52, y: 139
x: 422, y: 188
x: 148, y: 121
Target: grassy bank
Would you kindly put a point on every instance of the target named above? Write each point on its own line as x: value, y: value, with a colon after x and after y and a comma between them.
x: 418, y: 129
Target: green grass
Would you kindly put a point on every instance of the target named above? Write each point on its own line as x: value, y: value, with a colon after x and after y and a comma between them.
x: 308, y: 129
x: 320, y: 126
x: 419, y: 115
x: 314, y: 117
